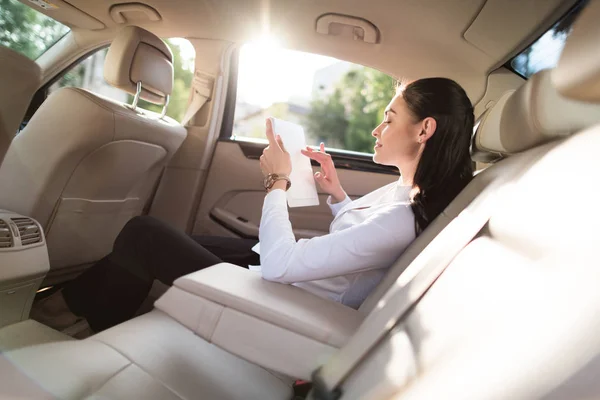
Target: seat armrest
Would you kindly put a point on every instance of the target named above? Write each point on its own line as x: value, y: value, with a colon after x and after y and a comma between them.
x: 279, y: 327
x: 286, y: 306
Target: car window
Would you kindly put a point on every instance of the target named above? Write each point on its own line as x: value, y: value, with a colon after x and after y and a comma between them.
x: 26, y: 30
x: 337, y: 102
x: 89, y: 74
x: 545, y: 52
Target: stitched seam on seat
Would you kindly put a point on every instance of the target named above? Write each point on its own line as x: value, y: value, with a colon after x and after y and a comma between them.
x: 68, y: 180
x: 92, y: 391
x: 214, y: 327
x: 142, y: 368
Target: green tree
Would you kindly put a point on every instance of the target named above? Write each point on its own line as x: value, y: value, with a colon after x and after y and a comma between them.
x: 327, y: 120
x: 27, y: 31
x: 347, y: 116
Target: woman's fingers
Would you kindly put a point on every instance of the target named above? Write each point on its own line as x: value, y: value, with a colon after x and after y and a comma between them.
x: 322, y: 147
x: 314, y: 155
x: 280, y: 143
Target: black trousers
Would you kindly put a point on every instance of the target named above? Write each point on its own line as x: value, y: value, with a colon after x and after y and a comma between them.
x: 111, y: 291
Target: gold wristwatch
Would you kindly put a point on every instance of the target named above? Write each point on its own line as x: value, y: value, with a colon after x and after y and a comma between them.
x: 272, y: 178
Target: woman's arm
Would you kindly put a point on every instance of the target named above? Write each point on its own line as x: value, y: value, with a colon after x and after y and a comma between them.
x: 375, y: 243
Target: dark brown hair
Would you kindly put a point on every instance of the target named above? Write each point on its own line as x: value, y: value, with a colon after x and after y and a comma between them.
x: 445, y: 167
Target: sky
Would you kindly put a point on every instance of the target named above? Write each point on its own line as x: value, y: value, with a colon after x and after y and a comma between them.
x: 268, y: 73
x: 546, y: 51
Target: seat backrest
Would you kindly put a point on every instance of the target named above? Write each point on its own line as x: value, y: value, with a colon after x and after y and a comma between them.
x: 517, y: 312
x: 19, y: 79
x: 531, y: 111
x: 85, y: 165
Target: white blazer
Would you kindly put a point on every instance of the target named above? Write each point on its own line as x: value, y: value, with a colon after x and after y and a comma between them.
x: 366, y: 236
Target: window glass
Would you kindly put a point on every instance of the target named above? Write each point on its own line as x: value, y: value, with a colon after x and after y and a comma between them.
x: 26, y: 30
x: 545, y: 52
x: 337, y: 102
x: 89, y: 74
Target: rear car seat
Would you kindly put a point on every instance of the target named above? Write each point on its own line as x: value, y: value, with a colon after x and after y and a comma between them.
x: 85, y: 164
x: 515, y: 315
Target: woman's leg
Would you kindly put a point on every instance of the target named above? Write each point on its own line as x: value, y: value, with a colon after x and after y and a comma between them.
x: 111, y: 291
x: 231, y: 250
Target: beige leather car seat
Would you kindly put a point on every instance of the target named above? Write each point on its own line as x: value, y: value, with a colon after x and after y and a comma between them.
x: 19, y: 79
x: 509, y: 304
x: 85, y: 164
x: 516, y: 315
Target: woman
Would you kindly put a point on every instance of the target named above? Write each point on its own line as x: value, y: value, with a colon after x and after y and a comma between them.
x: 425, y: 133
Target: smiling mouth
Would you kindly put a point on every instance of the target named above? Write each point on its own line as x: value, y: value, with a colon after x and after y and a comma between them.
x: 377, y: 144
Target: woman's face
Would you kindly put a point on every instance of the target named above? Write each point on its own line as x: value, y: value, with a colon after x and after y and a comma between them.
x: 397, y: 135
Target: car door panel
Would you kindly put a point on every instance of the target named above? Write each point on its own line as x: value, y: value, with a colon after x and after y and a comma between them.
x: 232, y: 200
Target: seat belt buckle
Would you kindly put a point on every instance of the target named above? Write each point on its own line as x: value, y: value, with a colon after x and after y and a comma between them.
x: 301, y: 389
x: 320, y: 391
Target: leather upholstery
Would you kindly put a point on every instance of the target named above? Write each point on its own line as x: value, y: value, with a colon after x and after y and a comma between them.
x: 516, y: 313
x: 516, y: 299
x: 530, y: 116
x: 498, y: 175
x: 534, y: 114
x: 282, y: 305
x: 578, y: 71
x: 20, y: 77
x: 150, y: 357
x: 291, y: 329
x: 84, y: 166
x: 137, y: 55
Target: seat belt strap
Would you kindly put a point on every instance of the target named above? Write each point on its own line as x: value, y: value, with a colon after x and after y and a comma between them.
x: 396, y: 303
x: 202, y: 87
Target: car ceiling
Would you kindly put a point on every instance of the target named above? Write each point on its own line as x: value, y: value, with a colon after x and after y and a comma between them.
x: 461, y: 39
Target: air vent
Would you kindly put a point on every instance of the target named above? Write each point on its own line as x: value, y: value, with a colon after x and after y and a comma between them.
x: 29, y: 231
x: 6, y: 239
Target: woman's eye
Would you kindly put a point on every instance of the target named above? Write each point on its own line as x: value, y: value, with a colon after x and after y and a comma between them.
x: 386, y: 122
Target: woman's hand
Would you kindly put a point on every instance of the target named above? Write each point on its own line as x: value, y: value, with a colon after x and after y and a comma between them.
x: 274, y: 159
x: 327, y: 178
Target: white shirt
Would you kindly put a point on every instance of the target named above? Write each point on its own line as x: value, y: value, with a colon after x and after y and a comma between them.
x: 366, y: 236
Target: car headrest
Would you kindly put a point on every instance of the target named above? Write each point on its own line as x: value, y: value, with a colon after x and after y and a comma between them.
x: 577, y: 74
x: 137, y: 55
x: 532, y: 115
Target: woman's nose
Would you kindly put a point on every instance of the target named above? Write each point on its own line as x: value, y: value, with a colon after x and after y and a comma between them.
x: 375, y: 131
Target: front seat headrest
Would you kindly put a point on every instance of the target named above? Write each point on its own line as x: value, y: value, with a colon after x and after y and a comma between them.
x: 532, y: 115
x: 577, y: 74
x: 137, y: 55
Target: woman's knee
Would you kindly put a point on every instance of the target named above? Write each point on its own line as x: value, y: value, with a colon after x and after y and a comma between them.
x: 135, y: 229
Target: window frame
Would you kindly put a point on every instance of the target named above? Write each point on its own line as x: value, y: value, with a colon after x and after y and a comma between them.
x: 573, y: 8
x: 252, y: 150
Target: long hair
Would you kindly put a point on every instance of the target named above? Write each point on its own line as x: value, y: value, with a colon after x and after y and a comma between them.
x: 445, y: 166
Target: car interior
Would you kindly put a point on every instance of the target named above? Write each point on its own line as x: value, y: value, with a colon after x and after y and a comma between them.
x: 497, y: 298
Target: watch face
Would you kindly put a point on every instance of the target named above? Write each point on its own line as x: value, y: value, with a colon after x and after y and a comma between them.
x: 269, y: 181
